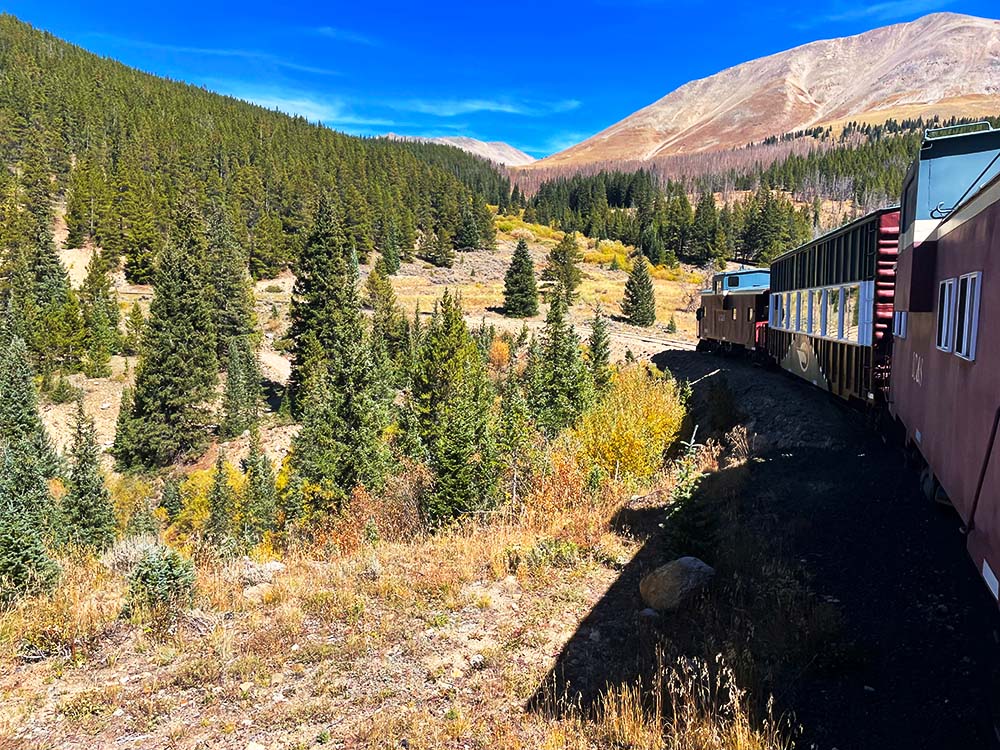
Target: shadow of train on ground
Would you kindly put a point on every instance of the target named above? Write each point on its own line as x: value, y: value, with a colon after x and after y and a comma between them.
x: 839, y: 591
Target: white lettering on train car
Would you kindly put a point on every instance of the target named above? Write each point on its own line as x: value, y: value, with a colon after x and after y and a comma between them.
x: 917, y: 370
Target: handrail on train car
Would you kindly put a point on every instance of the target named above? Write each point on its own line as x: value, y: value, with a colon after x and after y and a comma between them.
x: 982, y: 473
x: 932, y: 133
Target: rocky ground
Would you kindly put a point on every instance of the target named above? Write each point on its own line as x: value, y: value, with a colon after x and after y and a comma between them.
x: 915, y: 660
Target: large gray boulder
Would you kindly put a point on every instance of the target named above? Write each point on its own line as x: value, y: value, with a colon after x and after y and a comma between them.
x: 670, y: 585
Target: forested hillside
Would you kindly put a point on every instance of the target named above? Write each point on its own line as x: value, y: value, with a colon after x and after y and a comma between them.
x: 131, y: 154
x: 125, y: 147
x: 661, y: 221
x: 749, y: 210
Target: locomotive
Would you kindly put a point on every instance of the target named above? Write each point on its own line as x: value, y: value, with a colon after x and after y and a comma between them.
x: 892, y: 311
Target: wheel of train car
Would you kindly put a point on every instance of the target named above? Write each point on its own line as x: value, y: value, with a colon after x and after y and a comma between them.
x: 704, y: 345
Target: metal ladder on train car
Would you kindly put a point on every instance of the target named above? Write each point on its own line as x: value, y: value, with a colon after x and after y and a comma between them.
x: 885, y: 296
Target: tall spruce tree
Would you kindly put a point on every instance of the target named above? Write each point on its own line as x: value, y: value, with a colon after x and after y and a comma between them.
x: 563, y: 389
x: 451, y: 400
x: 232, y: 289
x: 388, y: 323
x: 599, y: 353
x: 516, y: 440
x: 260, y: 496
x: 135, y: 328
x: 639, y: 303
x: 99, y: 305
x: 177, y: 369
x: 170, y: 498
x: 562, y: 269
x: 340, y: 388
x: 100, y: 341
x: 390, y: 246
x: 520, y: 294
x: 25, y: 564
x: 706, y: 232
x: 326, y: 310
x: 221, y: 500
x: 87, y: 510
x: 20, y: 422
x: 242, y: 399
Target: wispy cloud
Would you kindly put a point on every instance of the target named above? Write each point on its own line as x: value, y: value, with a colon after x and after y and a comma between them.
x: 890, y: 10
x: 245, y: 54
x: 347, y: 35
x: 456, y: 107
x: 553, y: 144
x: 330, y: 111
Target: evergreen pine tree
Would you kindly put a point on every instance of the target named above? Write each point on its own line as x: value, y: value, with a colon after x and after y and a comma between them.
x: 100, y: 340
x: 388, y: 321
x: 135, y: 326
x: 562, y: 270
x: 170, y: 499
x: 520, y: 295
x: 639, y: 304
x: 515, y: 440
x: 437, y: 249
x: 26, y: 516
x: 706, y: 232
x: 341, y: 385
x: 599, y: 353
x: 218, y: 528
x: 99, y: 306
x: 231, y: 286
x: 89, y: 515
x: 563, y: 388
x: 326, y: 310
x: 467, y: 237
x: 451, y: 401
x: 260, y: 495
x: 178, y: 368
x: 20, y: 422
x: 390, y: 247
x: 243, y: 395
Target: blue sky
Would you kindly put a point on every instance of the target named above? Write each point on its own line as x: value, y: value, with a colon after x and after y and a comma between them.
x: 539, y: 75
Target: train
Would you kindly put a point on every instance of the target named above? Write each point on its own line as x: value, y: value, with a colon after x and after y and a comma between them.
x: 892, y: 312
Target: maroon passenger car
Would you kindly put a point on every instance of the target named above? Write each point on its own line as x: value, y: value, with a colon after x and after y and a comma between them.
x: 945, y: 385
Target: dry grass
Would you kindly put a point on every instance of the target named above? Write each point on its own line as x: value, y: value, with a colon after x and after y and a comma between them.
x: 69, y: 621
x: 369, y: 639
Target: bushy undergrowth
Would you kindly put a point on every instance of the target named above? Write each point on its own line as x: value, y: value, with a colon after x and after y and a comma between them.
x: 628, y: 433
x: 160, y: 586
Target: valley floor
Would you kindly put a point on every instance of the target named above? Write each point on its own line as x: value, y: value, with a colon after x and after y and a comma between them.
x: 838, y: 592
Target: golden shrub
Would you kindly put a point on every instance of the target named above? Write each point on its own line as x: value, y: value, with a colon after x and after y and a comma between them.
x: 499, y: 354
x: 630, y: 429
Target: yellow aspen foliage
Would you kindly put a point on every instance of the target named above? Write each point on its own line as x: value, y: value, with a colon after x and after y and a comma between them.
x: 193, y: 518
x: 499, y: 354
x: 630, y: 429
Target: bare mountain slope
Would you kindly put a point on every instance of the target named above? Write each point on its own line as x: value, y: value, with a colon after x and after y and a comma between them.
x: 495, y: 151
x: 943, y: 63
